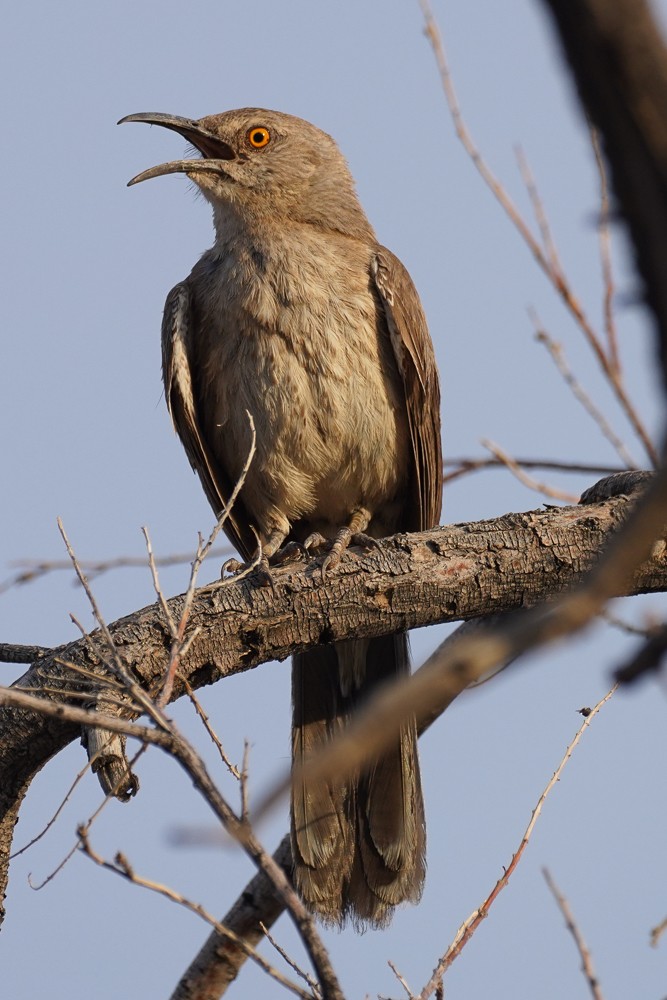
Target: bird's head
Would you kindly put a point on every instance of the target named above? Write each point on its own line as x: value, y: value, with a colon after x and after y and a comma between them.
x: 261, y: 162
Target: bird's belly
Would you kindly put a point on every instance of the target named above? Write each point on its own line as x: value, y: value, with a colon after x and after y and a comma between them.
x: 330, y: 422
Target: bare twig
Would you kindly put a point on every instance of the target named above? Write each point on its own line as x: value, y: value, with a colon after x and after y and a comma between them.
x: 554, y: 274
x: 570, y: 923
x: 532, y: 484
x: 464, y: 466
x: 539, y: 212
x: 468, y: 928
x: 177, y: 631
x: 290, y: 961
x: 121, y: 866
x: 218, y: 962
x: 605, y: 254
x: 113, y: 659
x: 91, y: 819
x: 401, y: 980
x: 31, y: 570
x: 232, y: 768
x: 557, y: 356
x: 657, y: 932
x: 45, y: 829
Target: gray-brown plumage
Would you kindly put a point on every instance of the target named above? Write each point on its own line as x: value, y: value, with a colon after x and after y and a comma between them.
x: 300, y: 317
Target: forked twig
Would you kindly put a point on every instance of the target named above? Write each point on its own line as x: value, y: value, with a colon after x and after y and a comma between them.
x: 121, y: 866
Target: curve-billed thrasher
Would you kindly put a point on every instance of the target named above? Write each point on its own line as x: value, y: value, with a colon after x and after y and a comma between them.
x: 300, y: 317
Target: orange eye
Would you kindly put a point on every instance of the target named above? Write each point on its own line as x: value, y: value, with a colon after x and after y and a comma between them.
x: 258, y: 136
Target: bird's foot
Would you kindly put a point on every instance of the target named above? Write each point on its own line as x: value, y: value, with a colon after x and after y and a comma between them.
x: 231, y: 567
x: 344, y: 538
x: 260, y: 572
x: 289, y: 553
x: 316, y: 543
x: 262, y: 576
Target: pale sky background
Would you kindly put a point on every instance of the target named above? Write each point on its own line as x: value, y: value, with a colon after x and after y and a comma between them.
x: 86, y: 265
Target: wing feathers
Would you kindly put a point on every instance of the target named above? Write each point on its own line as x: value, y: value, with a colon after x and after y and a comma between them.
x: 181, y: 396
x: 413, y: 350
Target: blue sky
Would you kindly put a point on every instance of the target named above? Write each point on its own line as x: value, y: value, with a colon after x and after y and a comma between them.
x: 86, y: 265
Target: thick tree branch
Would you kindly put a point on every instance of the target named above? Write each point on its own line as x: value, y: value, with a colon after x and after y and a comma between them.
x: 447, y: 574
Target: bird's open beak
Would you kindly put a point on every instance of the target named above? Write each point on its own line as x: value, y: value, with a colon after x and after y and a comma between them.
x: 211, y: 146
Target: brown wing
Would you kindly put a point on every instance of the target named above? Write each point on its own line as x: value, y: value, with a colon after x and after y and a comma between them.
x: 413, y: 350
x: 181, y: 396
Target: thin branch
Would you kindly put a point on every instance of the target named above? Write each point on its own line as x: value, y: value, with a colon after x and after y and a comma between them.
x: 557, y: 355
x: 109, y: 796
x: 31, y: 570
x: 401, y: 980
x: 468, y: 928
x: 570, y: 923
x: 121, y: 866
x: 657, y: 932
x: 555, y: 275
x: 232, y: 768
x: 533, y: 484
x: 605, y: 254
x: 539, y: 212
x: 464, y: 466
x: 179, y: 644
x: 290, y: 961
x: 112, y: 660
x: 45, y: 829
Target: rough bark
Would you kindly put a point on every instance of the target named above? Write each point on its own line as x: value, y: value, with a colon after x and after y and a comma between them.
x: 447, y: 574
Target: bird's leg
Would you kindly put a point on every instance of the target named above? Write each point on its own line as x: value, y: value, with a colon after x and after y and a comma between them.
x: 291, y: 551
x: 270, y: 549
x: 316, y: 541
x: 352, y: 532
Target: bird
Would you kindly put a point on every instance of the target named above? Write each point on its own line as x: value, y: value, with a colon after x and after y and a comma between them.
x: 300, y: 317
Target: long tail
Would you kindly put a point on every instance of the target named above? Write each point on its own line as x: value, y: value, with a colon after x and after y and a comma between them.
x: 359, y: 845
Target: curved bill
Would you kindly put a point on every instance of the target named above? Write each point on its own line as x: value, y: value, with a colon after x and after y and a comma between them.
x: 210, y: 145
x: 180, y: 167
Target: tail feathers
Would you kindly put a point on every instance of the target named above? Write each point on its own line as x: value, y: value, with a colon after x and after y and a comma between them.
x: 359, y: 846
x: 322, y: 833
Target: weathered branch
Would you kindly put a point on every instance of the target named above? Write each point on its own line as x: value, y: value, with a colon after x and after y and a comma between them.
x: 447, y: 574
